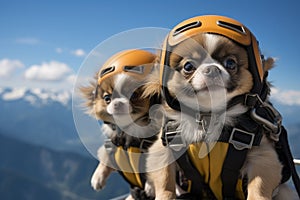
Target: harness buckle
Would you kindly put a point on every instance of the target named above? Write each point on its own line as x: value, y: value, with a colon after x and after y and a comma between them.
x: 241, y: 139
x: 203, y: 120
x: 172, y: 136
x: 174, y: 140
x: 109, y: 146
x: 252, y: 99
x: 273, y: 126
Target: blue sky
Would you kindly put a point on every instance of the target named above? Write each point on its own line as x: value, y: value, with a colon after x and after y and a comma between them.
x: 56, y: 36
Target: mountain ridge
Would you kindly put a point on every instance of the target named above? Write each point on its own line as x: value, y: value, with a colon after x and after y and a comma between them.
x: 27, y: 169
x: 47, y: 122
x: 36, y: 96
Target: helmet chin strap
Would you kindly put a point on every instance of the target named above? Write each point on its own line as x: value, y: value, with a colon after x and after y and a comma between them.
x: 253, y: 68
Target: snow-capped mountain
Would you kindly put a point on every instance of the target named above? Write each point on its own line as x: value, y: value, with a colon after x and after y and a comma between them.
x: 35, y: 96
x: 39, y: 116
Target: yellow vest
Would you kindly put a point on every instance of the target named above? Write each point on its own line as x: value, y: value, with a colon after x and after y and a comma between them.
x: 128, y: 163
x: 209, y: 160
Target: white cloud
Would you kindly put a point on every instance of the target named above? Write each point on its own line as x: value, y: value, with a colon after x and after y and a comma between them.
x: 8, y: 67
x: 78, y: 52
x: 71, y: 79
x: 286, y: 97
x: 16, y: 93
x: 28, y: 41
x: 48, y: 71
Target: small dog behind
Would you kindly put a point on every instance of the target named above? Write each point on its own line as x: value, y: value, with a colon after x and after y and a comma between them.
x: 129, y: 119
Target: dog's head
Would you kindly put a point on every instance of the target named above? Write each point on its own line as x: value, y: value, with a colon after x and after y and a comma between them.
x: 117, y: 92
x: 207, y: 61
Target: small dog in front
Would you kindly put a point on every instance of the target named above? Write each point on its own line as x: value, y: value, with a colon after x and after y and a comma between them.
x: 214, y: 82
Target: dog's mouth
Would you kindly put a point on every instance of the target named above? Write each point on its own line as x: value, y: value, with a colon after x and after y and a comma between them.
x: 121, y: 113
x: 125, y: 119
x: 210, y: 88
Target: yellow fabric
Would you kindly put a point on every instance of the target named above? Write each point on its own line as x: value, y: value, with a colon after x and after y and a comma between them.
x: 128, y: 163
x: 209, y: 159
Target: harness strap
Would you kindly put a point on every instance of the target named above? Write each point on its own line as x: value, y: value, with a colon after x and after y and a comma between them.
x: 289, y: 158
x: 247, y: 134
x: 198, y: 185
x: 231, y: 170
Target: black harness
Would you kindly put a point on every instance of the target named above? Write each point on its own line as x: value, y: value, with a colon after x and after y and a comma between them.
x: 240, y: 138
x: 120, y: 140
x: 262, y: 118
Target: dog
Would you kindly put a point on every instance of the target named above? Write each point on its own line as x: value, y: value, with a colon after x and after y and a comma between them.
x: 208, y: 66
x: 129, y: 120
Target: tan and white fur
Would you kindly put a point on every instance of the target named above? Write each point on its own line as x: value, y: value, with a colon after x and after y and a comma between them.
x: 120, y: 101
x: 203, y: 67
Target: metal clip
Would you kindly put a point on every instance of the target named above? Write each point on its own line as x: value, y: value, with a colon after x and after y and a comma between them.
x: 275, y: 126
x: 203, y: 120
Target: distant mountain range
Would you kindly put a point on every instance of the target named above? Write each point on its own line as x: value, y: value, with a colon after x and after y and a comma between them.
x: 37, y: 138
x: 45, y: 117
x: 39, y: 117
x: 30, y: 172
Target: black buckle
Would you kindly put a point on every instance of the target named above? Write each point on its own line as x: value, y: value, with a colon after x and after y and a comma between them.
x: 241, y: 139
x: 251, y: 100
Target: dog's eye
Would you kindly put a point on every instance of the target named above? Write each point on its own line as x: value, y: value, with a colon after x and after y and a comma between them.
x: 230, y: 63
x: 107, y: 98
x: 188, y: 67
x: 134, y: 96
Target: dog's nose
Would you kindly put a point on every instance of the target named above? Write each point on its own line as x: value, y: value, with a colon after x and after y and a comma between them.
x: 211, y: 71
x: 118, y: 104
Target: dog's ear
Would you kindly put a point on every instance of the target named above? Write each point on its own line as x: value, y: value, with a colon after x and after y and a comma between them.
x: 268, y: 63
x: 152, y: 85
x: 88, y: 93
